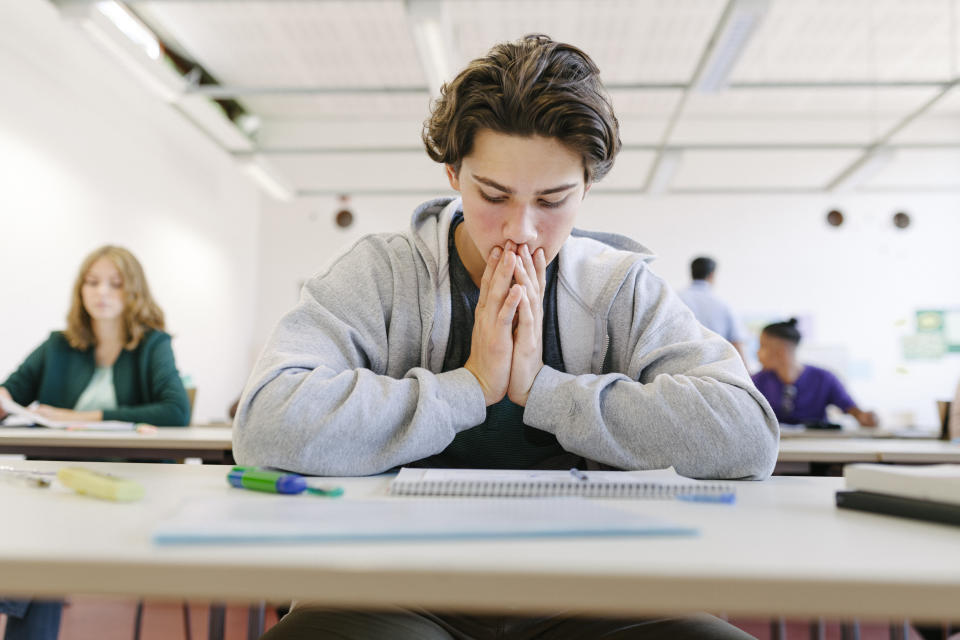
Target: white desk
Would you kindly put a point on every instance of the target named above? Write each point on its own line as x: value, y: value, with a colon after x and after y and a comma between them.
x: 212, y: 444
x: 782, y: 549
x: 844, y: 450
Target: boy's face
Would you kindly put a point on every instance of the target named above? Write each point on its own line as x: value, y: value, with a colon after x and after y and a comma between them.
x: 524, y: 189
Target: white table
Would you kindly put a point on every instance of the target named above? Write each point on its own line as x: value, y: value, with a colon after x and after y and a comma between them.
x: 783, y: 549
x: 211, y: 443
x: 844, y: 450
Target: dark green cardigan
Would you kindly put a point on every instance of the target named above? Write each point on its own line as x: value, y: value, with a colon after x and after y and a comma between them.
x: 147, y: 384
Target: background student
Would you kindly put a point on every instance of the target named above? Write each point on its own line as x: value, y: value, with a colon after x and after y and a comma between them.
x: 493, y: 335
x: 710, y: 310
x: 799, y: 393
x: 113, y: 361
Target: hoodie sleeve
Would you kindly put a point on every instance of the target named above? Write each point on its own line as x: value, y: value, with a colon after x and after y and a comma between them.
x: 338, y: 390
x: 672, y: 394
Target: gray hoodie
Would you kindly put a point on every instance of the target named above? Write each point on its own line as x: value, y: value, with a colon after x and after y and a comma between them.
x: 350, y: 381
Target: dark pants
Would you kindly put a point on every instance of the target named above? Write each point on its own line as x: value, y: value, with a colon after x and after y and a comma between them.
x: 31, y: 619
x: 309, y: 622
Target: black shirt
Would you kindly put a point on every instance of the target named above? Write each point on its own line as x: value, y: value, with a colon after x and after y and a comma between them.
x: 502, y: 441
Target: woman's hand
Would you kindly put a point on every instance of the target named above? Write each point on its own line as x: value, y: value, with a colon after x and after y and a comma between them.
x: 67, y: 415
x: 7, y: 397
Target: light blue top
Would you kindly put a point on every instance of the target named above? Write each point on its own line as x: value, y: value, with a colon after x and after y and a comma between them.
x: 711, y: 311
x: 100, y: 394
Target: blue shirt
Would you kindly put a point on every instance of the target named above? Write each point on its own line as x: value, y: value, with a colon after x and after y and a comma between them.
x: 810, y: 394
x: 711, y: 311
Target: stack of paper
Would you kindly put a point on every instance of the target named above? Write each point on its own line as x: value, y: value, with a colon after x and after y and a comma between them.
x: 20, y: 416
x: 928, y: 492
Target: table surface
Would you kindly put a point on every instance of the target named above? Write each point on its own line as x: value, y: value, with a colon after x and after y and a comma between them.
x: 215, y: 442
x: 196, y: 437
x: 212, y: 443
x: 783, y: 548
x: 843, y: 450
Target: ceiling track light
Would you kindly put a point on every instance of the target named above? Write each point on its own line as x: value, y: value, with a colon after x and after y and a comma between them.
x: 266, y: 177
x: 737, y: 24
x: 431, y: 40
x: 862, y: 170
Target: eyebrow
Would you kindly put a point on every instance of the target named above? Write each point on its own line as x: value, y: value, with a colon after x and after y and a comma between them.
x: 500, y: 187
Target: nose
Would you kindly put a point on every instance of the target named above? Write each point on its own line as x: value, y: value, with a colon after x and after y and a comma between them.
x: 519, y: 225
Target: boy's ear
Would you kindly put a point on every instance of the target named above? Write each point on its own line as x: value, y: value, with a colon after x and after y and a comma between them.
x: 586, y: 188
x: 453, y: 176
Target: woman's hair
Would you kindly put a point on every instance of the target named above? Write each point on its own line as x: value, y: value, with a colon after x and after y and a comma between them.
x: 533, y: 86
x: 140, y: 312
x: 784, y: 330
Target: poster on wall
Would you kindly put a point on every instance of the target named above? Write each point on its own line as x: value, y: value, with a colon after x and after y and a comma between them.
x: 937, y: 333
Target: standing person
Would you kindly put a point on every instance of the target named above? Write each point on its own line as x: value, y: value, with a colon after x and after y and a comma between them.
x: 799, y: 393
x: 710, y: 310
x: 494, y: 334
x: 112, y: 362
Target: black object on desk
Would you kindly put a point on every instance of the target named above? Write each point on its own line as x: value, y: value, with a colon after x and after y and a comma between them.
x: 823, y: 424
x: 943, y: 512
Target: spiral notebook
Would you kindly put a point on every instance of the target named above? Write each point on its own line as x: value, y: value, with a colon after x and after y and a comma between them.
x: 498, y: 483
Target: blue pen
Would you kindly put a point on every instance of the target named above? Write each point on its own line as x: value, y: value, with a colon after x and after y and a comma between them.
x: 725, y: 498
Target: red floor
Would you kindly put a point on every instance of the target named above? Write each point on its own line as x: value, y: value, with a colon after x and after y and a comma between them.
x: 112, y: 619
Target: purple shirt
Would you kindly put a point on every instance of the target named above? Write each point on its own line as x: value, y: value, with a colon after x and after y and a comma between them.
x: 814, y: 390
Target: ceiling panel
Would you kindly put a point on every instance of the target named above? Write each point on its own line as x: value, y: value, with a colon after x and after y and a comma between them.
x: 629, y: 171
x: 771, y: 169
x: 809, y: 102
x: 631, y: 41
x: 291, y: 43
x: 363, y: 172
x: 919, y: 168
x: 346, y: 105
x: 784, y: 130
x: 330, y: 45
x: 862, y: 39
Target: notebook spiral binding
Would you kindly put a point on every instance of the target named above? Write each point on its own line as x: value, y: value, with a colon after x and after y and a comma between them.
x: 540, y: 489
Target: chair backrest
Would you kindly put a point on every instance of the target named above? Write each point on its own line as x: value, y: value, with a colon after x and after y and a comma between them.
x: 191, y: 396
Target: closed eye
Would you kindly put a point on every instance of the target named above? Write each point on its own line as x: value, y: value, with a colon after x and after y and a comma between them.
x: 492, y: 198
x: 553, y: 205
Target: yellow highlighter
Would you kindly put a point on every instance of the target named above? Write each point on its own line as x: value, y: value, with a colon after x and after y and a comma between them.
x: 100, y: 485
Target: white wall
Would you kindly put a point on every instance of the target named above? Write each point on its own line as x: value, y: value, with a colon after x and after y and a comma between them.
x: 87, y: 157
x: 857, y: 286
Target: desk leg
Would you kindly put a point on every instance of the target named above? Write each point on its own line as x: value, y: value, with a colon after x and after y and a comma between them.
x: 138, y: 620
x: 818, y: 629
x: 778, y: 629
x: 850, y: 630
x: 900, y: 630
x: 255, y: 620
x: 218, y: 615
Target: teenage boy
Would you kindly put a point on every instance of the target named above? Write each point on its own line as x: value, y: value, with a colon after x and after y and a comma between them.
x: 495, y: 335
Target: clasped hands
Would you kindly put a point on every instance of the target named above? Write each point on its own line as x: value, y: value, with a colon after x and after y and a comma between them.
x: 506, y: 350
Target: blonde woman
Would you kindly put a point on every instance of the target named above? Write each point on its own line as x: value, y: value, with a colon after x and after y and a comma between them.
x: 113, y: 361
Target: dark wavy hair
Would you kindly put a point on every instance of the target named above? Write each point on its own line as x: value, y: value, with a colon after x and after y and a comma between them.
x: 533, y: 86
x: 784, y: 330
